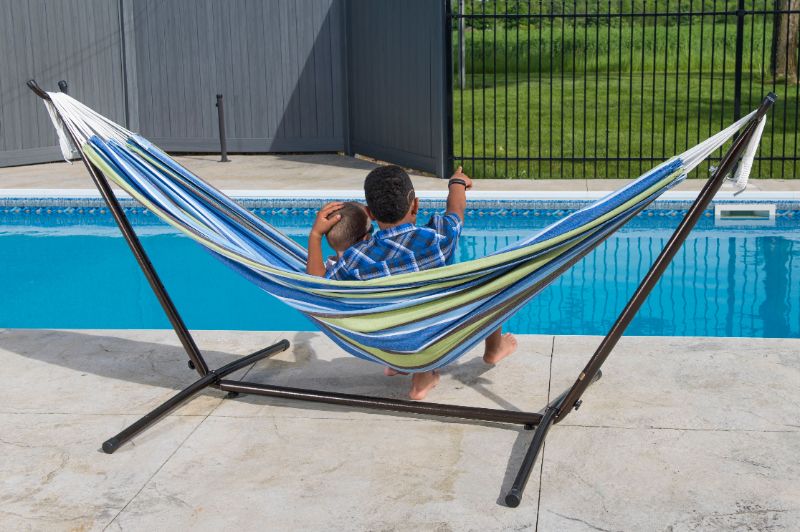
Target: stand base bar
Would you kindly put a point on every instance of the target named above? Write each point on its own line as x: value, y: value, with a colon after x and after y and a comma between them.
x: 381, y: 403
x: 514, y: 495
x: 210, y: 379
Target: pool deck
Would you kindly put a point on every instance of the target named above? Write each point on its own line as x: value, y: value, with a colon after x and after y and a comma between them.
x: 679, y: 434
x: 330, y: 172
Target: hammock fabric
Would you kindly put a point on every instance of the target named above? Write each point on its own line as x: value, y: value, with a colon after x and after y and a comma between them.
x: 411, y: 322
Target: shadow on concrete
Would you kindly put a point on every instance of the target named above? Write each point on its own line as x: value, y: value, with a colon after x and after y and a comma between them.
x: 329, y: 159
x: 158, y: 364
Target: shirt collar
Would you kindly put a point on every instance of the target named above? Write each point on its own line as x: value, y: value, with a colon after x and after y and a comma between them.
x: 394, y: 231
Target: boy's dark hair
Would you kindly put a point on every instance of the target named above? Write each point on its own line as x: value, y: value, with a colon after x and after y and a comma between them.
x: 389, y: 193
x: 351, y: 228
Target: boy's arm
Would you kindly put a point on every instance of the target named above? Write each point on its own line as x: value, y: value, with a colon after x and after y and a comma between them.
x: 322, y: 224
x: 457, y: 193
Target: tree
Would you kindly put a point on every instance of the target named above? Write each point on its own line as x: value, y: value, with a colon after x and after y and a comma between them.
x: 785, y: 40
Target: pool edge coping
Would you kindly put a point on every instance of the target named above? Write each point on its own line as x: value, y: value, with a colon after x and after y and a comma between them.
x: 555, y: 195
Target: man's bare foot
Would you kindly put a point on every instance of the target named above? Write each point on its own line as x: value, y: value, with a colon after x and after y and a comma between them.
x: 391, y: 372
x: 499, y: 347
x: 422, y: 383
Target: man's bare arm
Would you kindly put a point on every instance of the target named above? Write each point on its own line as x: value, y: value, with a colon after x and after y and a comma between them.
x: 457, y: 193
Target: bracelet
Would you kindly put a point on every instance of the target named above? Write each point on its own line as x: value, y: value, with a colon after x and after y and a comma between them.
x: 457, y: 181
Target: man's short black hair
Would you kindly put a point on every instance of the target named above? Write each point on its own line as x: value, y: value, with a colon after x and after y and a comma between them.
x: 389, y: 193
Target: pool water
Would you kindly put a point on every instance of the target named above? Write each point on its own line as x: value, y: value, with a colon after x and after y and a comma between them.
x: 70, y: 268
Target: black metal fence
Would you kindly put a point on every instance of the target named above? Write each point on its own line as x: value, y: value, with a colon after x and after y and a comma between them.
x: 609, y: 89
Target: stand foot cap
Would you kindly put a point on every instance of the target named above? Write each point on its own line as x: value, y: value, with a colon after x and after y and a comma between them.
x: 111, y: 445
x: 513, y: 498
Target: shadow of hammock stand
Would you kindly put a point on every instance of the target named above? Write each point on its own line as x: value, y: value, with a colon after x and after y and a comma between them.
x: 553, y: 413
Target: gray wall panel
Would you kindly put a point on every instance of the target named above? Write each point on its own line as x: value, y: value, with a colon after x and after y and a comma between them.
x: 76, y: 40
x: 395, y: 81
x: 316, y: 75
x: 271, y: 59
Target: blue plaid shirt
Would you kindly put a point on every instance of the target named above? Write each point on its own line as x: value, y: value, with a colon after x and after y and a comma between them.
x: 402, y: 249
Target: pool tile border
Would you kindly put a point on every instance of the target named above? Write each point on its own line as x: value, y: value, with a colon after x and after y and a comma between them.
x: 481, y: 204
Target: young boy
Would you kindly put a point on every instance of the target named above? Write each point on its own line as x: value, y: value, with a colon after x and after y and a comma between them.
x: 343, y: 224
x: 401, y: 246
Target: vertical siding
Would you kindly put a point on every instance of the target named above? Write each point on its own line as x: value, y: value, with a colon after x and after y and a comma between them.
x: 50, y: 40
x: 395, y: 84
x: 316, y: 75
x: 271, y: 59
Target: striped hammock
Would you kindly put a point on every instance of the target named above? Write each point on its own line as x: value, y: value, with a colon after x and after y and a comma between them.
x: 411, y: 322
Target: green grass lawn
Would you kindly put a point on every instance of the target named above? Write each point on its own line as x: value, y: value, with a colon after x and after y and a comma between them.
x: 626, y: 88
x: 608, y: 115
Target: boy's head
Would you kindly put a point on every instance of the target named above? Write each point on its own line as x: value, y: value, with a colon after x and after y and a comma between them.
x: 351, y: 228
x: 390, y: 194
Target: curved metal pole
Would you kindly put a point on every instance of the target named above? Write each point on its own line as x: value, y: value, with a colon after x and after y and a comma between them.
x: 196, y: 360
x: 675, y: 242
x: 564, y: 404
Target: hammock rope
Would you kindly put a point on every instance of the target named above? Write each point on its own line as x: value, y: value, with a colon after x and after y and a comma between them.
x: 412, y: 322
x: 746, y: 165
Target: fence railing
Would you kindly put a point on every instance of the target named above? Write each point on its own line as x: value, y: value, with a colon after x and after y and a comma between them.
x: 607, y: 90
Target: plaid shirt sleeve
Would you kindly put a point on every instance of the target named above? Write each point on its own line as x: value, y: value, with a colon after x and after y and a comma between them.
x: 448, y: 226
x: 346, y: 268
x: 338, y: 270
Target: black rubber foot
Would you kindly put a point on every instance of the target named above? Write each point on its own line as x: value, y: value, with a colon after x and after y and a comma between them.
x: 530, y: 426
x: 190, y: 364
x: 111, y: 445
x: 513, y: 498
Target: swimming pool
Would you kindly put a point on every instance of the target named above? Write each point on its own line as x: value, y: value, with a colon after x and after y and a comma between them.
x: 63, y: 264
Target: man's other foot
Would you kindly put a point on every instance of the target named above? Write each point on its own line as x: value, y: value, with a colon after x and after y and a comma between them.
x: 422, y: 383
x: 497, y: 351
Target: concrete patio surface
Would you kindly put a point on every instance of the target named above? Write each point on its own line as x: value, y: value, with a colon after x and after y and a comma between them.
x: 324, y: 171
x: 679, y: 434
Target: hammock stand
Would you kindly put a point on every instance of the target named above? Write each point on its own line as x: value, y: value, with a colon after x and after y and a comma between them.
x: 553, y: 413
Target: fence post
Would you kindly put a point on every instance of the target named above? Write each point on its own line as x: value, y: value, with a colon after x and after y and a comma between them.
x: 447, y: 112
x: 223, y: 142
x: 462, y: 68
x: 737, y: 83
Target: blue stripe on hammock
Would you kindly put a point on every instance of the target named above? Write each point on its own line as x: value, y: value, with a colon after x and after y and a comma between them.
x: 289, y: 245
x: 193, y: 198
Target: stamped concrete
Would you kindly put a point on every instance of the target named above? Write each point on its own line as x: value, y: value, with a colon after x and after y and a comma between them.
x: 671, y: 480
x: 687, y: 383
x: 679, y: 434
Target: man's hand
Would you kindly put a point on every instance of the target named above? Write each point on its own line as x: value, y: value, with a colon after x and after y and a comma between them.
x: 459, y: 174
x: 324, y: 221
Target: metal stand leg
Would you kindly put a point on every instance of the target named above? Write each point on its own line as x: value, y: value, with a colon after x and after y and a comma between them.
x: 514, y: 495
x: 211, y: 378
x: 196, y: 360
x: 569, y: 400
